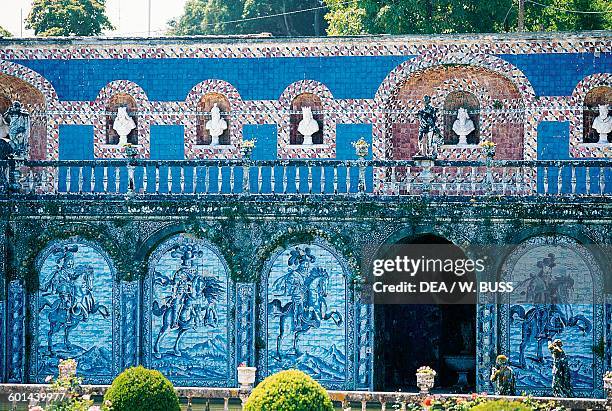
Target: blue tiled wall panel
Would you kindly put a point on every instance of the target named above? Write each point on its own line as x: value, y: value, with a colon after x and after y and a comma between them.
x: 266, y: 78
x: 346, y: 134
x: 553, y: 144
x: 254, y: 78
x: 167, y: 143
x: 76, y: 142
x: 558, y: 74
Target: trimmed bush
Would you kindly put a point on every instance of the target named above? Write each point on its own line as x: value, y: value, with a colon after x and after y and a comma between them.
x: 140, y: 389
x: 502, y: 405
x: 290, y: 390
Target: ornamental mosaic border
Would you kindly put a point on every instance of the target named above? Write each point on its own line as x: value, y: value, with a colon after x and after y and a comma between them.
x: 368, y: 46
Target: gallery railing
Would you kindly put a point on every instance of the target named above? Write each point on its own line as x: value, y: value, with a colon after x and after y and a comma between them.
x: 307, y: 177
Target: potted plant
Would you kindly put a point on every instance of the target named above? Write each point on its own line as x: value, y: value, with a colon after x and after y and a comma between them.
x: 247, y: 147
x: 246, y: 376
x: 361, y: 148
x: 425, y: 379
x: 130, y: 150
x: 488, y: 148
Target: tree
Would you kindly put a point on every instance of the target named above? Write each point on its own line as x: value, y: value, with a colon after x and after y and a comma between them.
x: 278, y: 17
x: 459, y: 16
x: 4, y: 32
x: 68, y: 18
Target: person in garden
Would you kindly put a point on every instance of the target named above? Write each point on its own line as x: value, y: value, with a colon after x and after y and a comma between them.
x: 503, y: 377
x: 561, y: 379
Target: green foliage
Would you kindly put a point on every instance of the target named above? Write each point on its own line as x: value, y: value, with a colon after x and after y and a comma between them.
x: 68, y: 18
x: 74, y: 398
x: 460, y: 16
x: 140, y: 389
x: 4, y: 32
x: 290, y: 390
x: 502, y: 405
x: 222, y: 17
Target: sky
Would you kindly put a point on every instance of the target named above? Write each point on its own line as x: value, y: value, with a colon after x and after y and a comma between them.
x: 129, y: 17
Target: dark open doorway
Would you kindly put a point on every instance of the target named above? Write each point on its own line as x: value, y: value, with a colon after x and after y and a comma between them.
x: 409, y: 336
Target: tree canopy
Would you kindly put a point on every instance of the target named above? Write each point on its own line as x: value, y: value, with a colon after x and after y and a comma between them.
x: 462, y: 16
x: 221, y: 17
x: 4, y: 32
x: 68, y: 17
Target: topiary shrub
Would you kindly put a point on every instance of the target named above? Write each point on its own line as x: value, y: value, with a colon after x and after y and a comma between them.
x: 502, y: 405
x: 290, y: 390
x: 140, y: 389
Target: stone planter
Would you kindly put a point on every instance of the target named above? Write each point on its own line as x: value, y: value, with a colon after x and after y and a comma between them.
x: 425, y: 381
x: 246, y: 377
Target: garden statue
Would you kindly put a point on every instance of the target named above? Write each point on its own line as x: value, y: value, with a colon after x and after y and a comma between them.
x: 4, y: 129
x: 123, y: 125
x: 463, y: 126
x: 603, y: 123
x: 18, y: 120
x: 429, y: 133
x: 503, y: 377
x: 308, y: 125
x: 216, y: 125
x: 561, y: 379
x: 6, y: 150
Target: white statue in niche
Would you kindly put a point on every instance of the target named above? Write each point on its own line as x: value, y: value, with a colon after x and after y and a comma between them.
x: 603, y: 124
x: 216, y: 125
x: 463, y: 126
x: 308, y: 126
x: 123, y: 125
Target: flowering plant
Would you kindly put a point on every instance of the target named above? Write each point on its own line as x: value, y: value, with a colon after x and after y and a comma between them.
x: 426, y: 370
x: 608, y: 374
x: 488, y: 147
x: 72, y: 396
x: 249, y: 144
x: 130, y: 150
x: 361, y: 147
x: 242, y: 364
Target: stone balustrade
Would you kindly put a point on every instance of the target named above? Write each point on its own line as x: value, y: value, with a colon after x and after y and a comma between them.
x: 355, y: 400
x: 309, y: 177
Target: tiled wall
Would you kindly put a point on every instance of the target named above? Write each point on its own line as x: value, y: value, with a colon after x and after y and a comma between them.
x: 355, y: 80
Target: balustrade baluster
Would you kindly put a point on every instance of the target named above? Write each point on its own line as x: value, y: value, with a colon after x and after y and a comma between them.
x: 364, y: 405
x: 383, y: 406
x: 220, y: 179
x: 169, y: 179
x: 194, y: 179
x: 322, y: 180
x: 68, y: 178
x: 573, y: 179
x: 182, y: 179
x: 30, y: 184
x: 394, y: 186
x: 545, y: 177
x: 157, y: 182
x: 348, y: 178
x: 55, y: 176
x: 559, y: 179
x: 309, y: 178
x: 285, y: 172
x: 473, y: 173
x: 504, y: 179
x: 602, y: 180
x: 259, y: 179
x: 246, y: 171
x: 335, y: 179
x: 105, y: 178
x: 587, y: 179
x: 117, y: 179
x: 272, y: 179
x: 80, y: 179
x: 225, y: 404
x: 408, y: 180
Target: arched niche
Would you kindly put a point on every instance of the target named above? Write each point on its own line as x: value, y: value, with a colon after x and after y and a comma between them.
x: 14, y: 89
x: 592, y: 100
x: 205, y: 105
x: 453, y: 102
x: 116, y: 101
x: 74, y: 312
x: 305, y: 308
x: 501, y: 117
x: 188, y: 323
x: 558, y: 293
x: 305, y: 100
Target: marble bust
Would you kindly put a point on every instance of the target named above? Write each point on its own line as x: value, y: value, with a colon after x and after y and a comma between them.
x: 216, y: 125
x: 603, y: 124
x: 308, y: 126
x: 463, y: 126
x: 123, y: 125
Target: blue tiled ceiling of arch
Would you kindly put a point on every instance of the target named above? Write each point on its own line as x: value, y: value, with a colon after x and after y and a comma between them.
x: 266, y: 78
